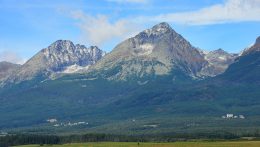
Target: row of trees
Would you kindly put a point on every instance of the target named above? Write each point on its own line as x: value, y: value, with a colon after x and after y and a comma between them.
x: 12, y: 140
x: 23, y: 139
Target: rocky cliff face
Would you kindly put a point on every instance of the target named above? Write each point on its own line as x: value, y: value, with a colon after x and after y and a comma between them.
x: 58, y: 57
x: 64, y: 53
x: 218, y: 62
x: 157, y: 51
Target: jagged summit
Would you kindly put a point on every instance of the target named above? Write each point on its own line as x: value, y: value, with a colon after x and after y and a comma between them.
x: 56, y: 58
x: 220, y: 50
x: 159, y: 29
x: 162, y: 27
x: 60, y: 44
x: 219, y: 53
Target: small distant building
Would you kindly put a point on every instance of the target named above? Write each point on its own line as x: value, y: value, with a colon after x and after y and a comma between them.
x: 81, y: 122
x: 230, y: 115
x: 56, y: 125
x: 52, y: 120
x: 151, y: 126
x: 2, y: 134
x: 241, y: 116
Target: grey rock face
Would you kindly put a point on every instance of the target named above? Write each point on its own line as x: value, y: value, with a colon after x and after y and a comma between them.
x: 64, y: 53
x: 158, y: 50
x: 218, y: 62
x: 254, y: 48
x: 7, y: 68
x: 56, y: 58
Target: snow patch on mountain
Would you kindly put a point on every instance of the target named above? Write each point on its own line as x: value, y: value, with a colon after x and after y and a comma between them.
x: 75, y: 69
x: 145, y: 49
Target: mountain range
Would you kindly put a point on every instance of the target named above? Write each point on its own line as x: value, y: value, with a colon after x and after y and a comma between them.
x: 153, y: 82
x: 156, y: 51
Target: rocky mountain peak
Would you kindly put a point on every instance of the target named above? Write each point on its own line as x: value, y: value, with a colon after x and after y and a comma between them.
x: 220, y: 50
x: 57, y: 58
x: 162, y: 27
x: 159, y: 29
x: 78, y: 46
x: 220, y: 55
x: 61, y: 45
x: 94, y: 48
x: 155, y: 51
x: 218, y: 62
x: 64, y: 52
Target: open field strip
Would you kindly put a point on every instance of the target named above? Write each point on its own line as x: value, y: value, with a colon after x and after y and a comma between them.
x: 174, y: 144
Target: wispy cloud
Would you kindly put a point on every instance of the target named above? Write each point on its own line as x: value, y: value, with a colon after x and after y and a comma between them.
x: 128, y: 1
x: 97, y: 30
x: 11, y: 57
x: 228, y: 12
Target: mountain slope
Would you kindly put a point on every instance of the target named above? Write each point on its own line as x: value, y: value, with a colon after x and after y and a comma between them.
x: 56, y: 58
x: 254, y: 48
x: 7, y: 68
x: 132, y: 104
x: 156, y: 51
x: 247, y: 67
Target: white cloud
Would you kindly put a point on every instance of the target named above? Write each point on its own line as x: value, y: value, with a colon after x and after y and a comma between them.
x: 98, y: 30
x: 128, y: 1
x: 230, y: 11
x: 11, y: 57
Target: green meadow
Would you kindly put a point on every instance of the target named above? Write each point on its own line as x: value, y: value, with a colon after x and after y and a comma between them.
x: 174, y: 144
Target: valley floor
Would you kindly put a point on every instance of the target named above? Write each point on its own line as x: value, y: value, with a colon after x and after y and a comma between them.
x: 174, y: 144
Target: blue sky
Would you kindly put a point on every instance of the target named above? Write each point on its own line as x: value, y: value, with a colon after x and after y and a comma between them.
x: 27, y: 26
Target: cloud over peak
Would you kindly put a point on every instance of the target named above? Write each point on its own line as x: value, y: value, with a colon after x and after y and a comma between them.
x: 97, y: 30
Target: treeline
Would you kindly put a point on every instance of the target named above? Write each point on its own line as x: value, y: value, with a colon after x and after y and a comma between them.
x: 24, y: 139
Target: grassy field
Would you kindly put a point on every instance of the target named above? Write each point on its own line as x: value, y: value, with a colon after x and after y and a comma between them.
x: 175, y: 144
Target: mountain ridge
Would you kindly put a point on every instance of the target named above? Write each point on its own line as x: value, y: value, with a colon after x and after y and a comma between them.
x: 153, y: 52
x: 55, y: 58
